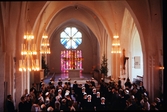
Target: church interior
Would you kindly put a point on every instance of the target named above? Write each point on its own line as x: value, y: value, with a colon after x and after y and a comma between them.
x: 112, y: 40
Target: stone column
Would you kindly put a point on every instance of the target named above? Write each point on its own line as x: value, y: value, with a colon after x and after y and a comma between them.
x: 2, y: 82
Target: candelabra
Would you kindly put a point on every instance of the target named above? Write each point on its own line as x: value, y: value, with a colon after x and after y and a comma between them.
x: 45, y: 49
x: 28, y: 52
x: 116, y: 45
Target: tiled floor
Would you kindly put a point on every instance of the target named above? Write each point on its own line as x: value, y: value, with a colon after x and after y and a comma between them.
x: 64, y: 76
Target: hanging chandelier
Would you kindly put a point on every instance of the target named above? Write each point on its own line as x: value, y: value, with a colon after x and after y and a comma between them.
x: 28, y: 52
x: 28, y: 62
x: 116, y: 45
x: 45, y: 49
x: 116, y: 49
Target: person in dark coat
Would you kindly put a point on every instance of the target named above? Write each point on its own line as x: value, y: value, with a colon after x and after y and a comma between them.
x: 102, y: 106
x: 86, y: 85
x: 93, y: 82
x: 9, y: 104
x: 97, y: 100
x: 63, y: 105
x: 28, y: 103
x: 130, y: 105
x: 34, y: 87
x: 79, y: 93
x: 89, y: 104
x: 122, y: 100
x: 102, y: 87
x: 40, y: 84
x: 94, y: 92
x: 128, y: 84
x: 83, y: 102
x: 75, y: 87
x: 22, y: 105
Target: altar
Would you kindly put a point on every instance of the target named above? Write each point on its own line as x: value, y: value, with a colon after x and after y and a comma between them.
x: 74, y: 73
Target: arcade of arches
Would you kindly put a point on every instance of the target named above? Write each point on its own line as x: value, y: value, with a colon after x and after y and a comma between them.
x: 137, y: 23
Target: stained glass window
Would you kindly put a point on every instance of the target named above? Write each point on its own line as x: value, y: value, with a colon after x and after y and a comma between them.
x: 71, y: 60
x: 71, y: 38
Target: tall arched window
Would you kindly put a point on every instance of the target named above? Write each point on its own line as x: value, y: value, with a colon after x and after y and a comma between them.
x: 71, y: 58
x: 71, y: 38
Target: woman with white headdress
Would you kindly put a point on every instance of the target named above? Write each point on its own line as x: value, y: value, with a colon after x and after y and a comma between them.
x: 89, y: 104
